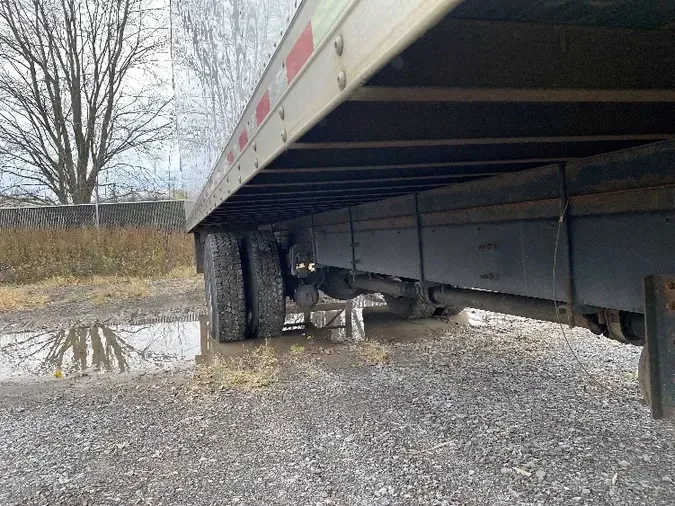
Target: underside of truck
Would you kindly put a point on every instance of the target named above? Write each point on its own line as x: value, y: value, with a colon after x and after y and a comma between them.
x: 511, y: 156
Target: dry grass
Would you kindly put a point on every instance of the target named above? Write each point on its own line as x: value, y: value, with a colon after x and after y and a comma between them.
x: 374, y: 353
x: 16, y: 297
x: 182, y: 272
x: 251, y: 371
x: 58, y: 281
x: 297, y: 349
x: 631, y: 376
x: 132, y: 289
x: 85, y: 255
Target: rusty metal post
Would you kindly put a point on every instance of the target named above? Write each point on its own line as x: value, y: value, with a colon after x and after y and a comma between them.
x: 660, y: 341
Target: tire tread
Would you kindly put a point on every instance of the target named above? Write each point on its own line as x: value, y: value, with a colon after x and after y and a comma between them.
x: 266, y: 293
x: 223, y: 266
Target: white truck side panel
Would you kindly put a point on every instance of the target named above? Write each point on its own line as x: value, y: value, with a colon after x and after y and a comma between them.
x: 220, y: 51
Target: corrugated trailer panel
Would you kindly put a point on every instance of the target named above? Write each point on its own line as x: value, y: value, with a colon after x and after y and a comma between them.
x: 220, y: 51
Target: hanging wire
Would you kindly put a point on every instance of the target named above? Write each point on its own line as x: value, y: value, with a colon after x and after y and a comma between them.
x: 561, y: 220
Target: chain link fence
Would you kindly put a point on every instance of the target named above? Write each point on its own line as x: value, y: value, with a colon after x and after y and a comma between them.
x: 164, y: 215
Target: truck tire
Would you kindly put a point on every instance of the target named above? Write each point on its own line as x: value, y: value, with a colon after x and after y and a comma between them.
x: 409, y: 309
x: 264, y: 280
x: 224, y: 283
x: 336, y: 285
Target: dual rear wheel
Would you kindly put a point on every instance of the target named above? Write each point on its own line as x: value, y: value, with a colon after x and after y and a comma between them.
x: 244, y: 286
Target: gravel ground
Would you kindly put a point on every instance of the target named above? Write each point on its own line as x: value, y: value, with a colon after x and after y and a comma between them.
x: 499, y: 414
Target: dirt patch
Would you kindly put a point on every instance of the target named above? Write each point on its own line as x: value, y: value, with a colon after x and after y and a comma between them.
x: 121, y: 301
x: 134, y: 289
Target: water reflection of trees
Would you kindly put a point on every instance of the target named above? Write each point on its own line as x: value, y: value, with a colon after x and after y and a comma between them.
x: 102, y: 348
x: 107, y: 350
x: 99, y: 348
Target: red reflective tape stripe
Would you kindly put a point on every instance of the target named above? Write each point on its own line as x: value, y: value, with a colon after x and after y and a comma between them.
x: 243, y: 139
x: 263, y: 108
x: 300, y: 53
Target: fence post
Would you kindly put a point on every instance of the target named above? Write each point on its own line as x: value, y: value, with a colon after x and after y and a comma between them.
x: 97, y: 218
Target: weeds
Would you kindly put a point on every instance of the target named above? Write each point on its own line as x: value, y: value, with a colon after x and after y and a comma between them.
x: 16, y: 297
x: 182, y: 271
x: 374, y: 353
x: 251, y: 371
x: 58, y: 281
x: 631, y: 376
x: 297, y: 349
x: 187, y: 272
x: 29, y: 256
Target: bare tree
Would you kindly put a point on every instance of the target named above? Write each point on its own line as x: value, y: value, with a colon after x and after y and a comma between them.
x: 81, y: 91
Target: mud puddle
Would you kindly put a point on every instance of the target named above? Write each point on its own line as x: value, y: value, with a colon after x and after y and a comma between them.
x: 168, y: 344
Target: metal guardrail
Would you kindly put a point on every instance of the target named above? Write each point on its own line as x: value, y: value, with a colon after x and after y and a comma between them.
x: 166, y: 215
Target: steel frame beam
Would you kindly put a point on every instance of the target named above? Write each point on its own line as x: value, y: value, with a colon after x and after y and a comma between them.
x: 439, y: 165
x: 574, y: 213
x: 479, y: 141
x: 501, y: 95
x: 439, y: 177
x: 359, y: 189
